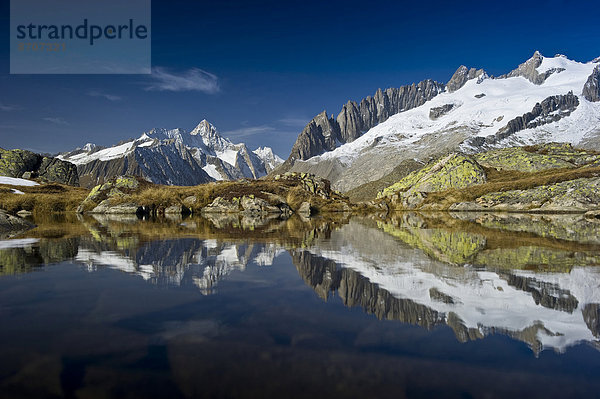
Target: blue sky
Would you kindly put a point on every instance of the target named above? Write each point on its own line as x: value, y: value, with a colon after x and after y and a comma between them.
x: 259, y: 71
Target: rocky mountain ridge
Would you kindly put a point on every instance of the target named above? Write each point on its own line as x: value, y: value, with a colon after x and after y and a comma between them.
x: 545, y: 99
x: 324, y: 133
x: 174, y: 157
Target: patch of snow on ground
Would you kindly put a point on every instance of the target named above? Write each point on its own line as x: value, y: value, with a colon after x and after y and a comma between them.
x: 14, y: 181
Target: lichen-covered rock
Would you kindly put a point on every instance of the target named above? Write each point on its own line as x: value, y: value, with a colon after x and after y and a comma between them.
x: 253, y: 205
x: 57, y: 170
x: 10, y: 225
x: 222, y: 205
x: 190, y: 201
x: 17, y: 163
x: 454, y: 171
x: 313, y: 184
x: 107, y: 207
x: 13, y: 163
x: 577, y: 195
x: 112, y: 194
x: 520, y: 159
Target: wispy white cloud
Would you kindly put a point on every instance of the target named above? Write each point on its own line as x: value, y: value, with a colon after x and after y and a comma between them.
x: 249, y: 131
x: 56, y: 121
x: 294, y: 122
x: 109, y: 97
x: 9, y: 108
x: 190, y: 80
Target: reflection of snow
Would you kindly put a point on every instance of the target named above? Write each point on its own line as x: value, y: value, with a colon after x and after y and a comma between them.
x: 485, y: 301
x: 268, y: 254
x: 18, y: 243
x: 175, y: 262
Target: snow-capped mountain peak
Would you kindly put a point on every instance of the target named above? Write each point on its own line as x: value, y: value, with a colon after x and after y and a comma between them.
x: 544, y: 99
x: 205, y: 129
x: 174, y: 156
x: 89, y: 147
x: 267, y: 155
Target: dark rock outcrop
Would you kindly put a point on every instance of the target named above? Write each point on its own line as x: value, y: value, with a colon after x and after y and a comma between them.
x: 591, y: 89
x: 325, y: 133
x: 528, y: 70
x: 550, y: 110
x: 22, y: 163
x: 320, y: 135
x: 461, y: 76
x: 436, y: 112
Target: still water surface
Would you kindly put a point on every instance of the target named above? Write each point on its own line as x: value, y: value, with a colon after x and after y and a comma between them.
x: 435, y: 305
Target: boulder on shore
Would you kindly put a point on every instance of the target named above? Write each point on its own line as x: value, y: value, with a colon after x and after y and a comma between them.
x: 11, y: 225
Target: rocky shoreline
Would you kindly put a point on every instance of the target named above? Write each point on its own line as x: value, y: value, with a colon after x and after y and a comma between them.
x: 550, y: 178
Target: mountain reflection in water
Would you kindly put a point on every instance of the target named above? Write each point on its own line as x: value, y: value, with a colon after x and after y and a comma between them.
x: 531, y: 277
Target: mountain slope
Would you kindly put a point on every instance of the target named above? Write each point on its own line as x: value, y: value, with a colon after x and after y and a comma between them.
x: 543, y: 100
x: 324, y: 134
x: 173, y: 157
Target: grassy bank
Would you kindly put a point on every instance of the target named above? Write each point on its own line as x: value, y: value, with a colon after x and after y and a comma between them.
x: 42, y: 199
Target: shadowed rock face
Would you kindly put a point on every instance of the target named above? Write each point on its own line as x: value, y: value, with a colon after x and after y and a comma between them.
x: 320, y: 135
x: 15, y: 163
x: 162, y: 165
x: 324, y: 134
x: 591, y: 89
x: 436, y: 112
x: 550, y: 110
x: 461, y: 76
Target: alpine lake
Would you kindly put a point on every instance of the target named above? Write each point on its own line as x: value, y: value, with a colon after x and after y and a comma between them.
x: 415, y: 305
